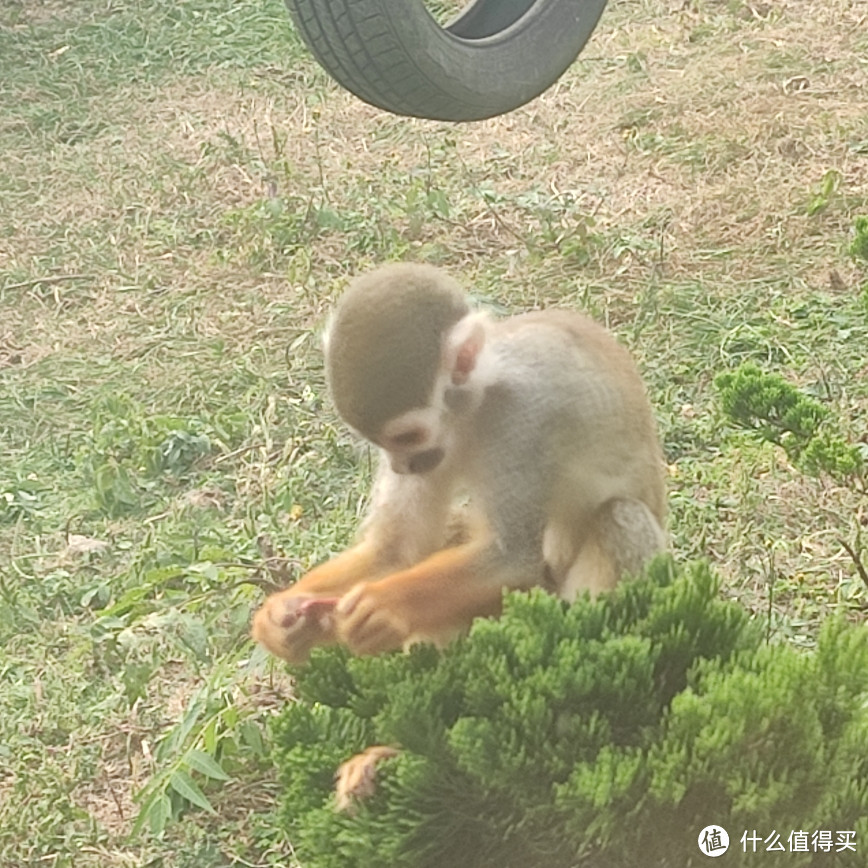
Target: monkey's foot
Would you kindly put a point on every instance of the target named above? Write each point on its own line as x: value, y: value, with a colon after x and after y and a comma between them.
x: 289, y: 624
x: 356, y: 778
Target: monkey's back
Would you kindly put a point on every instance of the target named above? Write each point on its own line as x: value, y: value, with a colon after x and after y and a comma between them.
x: 588, y: 401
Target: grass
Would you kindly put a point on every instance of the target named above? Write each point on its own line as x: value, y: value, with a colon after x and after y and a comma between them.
x: 184, y: 193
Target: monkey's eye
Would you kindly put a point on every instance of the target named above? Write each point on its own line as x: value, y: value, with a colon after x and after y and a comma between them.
x: 411, y: 437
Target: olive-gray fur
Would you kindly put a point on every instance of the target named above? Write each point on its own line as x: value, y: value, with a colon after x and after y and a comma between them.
x: 385, y: 342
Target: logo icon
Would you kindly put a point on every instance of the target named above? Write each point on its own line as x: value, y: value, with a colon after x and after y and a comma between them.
x: 713, y: 841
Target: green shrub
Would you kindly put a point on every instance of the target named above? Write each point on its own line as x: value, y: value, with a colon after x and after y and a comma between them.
x: 605, y: 734
x: 827, y: 453
x: 779, y: 413
x: 859, y: 244
x: 768, y: 404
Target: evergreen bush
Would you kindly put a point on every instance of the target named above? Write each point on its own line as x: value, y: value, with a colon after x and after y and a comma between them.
x: 766, y: 403
x: 605, y: 734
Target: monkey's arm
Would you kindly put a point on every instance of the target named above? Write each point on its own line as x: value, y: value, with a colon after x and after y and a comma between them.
x: 438, y: 597
x: 405, y: 523
x: 433, y: 601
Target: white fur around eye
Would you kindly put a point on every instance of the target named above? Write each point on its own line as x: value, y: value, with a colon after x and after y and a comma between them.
x: 410, y: 431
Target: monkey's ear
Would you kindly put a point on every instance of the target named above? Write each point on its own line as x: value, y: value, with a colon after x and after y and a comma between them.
x: 463, y: 347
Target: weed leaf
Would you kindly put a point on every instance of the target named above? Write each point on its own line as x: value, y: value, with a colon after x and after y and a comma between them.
x: 185, y: 786
x: 205, y: 764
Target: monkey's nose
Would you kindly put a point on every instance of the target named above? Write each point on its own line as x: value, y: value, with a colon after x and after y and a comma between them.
x: 425, y: 462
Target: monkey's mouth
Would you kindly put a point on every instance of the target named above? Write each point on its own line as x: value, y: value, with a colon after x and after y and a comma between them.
x: 425, y: 462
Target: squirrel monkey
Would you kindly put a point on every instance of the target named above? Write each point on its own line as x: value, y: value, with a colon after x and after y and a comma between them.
x: 541, y: 420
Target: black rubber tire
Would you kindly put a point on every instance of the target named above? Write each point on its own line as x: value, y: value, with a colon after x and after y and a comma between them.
x: 495, y: 56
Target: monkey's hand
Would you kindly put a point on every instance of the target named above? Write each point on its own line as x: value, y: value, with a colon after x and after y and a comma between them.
x: 291, y: 623
x: 370, y: 619
x: 433, y: 601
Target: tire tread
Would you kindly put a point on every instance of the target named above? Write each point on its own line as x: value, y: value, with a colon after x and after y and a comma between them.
x: 356, y: 43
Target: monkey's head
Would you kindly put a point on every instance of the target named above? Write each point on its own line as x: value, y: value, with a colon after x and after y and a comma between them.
x: 400, y: 350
